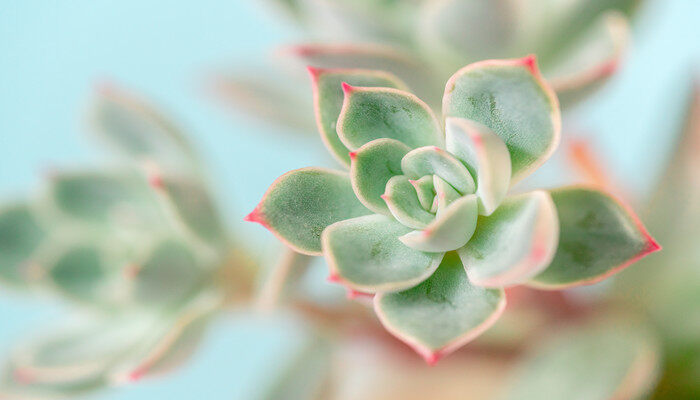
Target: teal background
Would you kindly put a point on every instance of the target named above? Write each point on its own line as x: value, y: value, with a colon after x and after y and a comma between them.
x: 53, y: 52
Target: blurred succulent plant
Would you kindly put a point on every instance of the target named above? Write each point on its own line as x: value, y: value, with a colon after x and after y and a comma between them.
x: 140, y: 247
x: 423, y: 223
x: 579, y: 44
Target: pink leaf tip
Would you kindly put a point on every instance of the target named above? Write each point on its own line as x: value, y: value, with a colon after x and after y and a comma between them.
x: 347, y: 88
x: 156, y: 181
x: 384, y: 197
x: 256, y: 216
x: 23, y: 376
x: 353, y: 294
x: 530, y: 62
x: 333, y: 278
x: 432, y: 358
x: 313, y: 73
x: 131, y: 271
x: 353, y: 155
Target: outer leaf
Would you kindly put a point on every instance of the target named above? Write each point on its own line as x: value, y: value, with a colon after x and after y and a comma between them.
x: 486, y: 156
x: 511, y: 98
x: 373, y: 113
x: 328, y: 100
x: 365, y: 254
x: 433, y: 160
x: 80, y: 271
x: 598, y: 237
x: 441, y: 314
x: 372, y: 166
x: 600, y: 361
x: 20, y: 236
x: 137, y: 130
x: 403, y: 202
x: 449, y: 231
x: 514, y: 243
x: 300, y: 204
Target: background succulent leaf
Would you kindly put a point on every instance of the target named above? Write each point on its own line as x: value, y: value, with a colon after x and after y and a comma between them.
x: 137, y: 130
x: 442, y: 313
x: 300, y: 204
x: 80, y: 271
x: 583, y: 68
x: 193, y: 207
x: 328, y: 100
x: 402, y: 199
x: 514, y: 243
x: 598, y: 237
x: 597, y: 361
x: 373, y: 113
x: 371, y: 57
x: 485, y: 155
x: 431, y: 160
x: 510, y: 98
x: 448, y: 231
x: 365, y: 254
x: 372, y: 166
x: 20, y: 236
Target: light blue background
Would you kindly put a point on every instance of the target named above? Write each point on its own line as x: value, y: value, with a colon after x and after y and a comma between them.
x: 52, y: 53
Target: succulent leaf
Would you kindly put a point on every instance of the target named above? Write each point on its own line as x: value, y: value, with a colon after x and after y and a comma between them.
x: 485, y: 155
x: 591, y: 60
x: 431, y: 160
x: 137, y: 130
x: 373, y: 113
x: 193, y: 207
x: 402, y: 199
x: 372, y: 166
x: 366, y: 255
x: 445, y: 194
x: 425, y: 188
x: 328, y: 93
x: 20, y: 236
x: 300, y: 204
x: 599, y: 236
x: 451, y: 230
x: 514, y: 243
x: 80, y: 271
x: 598, y: 361
x: 441, y: 314
x: 511, y: 98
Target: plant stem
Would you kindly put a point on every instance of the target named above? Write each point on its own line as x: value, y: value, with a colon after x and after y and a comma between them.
x: 290, y: 265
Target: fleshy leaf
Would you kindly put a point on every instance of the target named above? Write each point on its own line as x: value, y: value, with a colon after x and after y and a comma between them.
x: 170, y: 274
x: 328, y: 100
x: 79, y: 271
x: 20, y: 236
x: 365, y: 254
x: 485, y: 155
x: 373, y: 113
x: 193, y: 207
x: 511, y: 98
x: 372, y: 166
x: 450, y: 231
x: 300, y: 204
x: 137, y: 130
x: 425, y: 188
x: 599, y: 236
x: 370, y: 57
x: 591, y: 60
x: 514, y: 243
x: 441, y: 314
x: 445, y: 194
x: 598, y: 361
x: 433, y: 160
x: 121, y: 198
x: 402, y: 200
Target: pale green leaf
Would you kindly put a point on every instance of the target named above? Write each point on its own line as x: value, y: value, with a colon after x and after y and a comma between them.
x: 436, y: 161
x: 20, y: 236
x: 402, y: 199
x: 441, y: 314
x: 514, y: 243
x: 365, y: 254
x: 510, y: 98
x: 300, y: 204
x: 599, y: 236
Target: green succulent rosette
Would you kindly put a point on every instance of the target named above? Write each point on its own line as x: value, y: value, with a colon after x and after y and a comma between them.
x: 425, y: 219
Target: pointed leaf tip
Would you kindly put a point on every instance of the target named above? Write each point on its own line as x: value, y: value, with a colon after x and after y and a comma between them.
x: 530, y: 62
x: 347, y: 88
x: 353, y: 155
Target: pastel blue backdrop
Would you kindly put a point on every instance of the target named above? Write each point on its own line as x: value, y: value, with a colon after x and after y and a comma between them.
x: 52, y: 53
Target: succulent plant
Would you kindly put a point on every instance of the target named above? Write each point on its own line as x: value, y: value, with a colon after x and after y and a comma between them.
x: 579, y: 44
x: 425, y: 221
x: 139, y: 248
